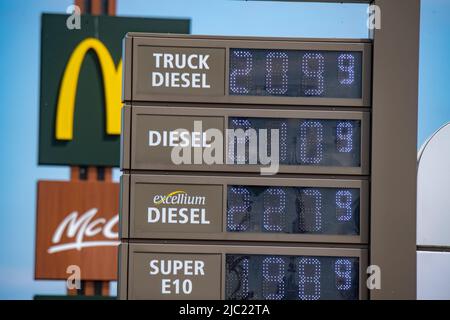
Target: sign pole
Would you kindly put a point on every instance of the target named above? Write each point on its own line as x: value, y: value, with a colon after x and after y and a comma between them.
x: 90, y: 288
x: 394, y: 148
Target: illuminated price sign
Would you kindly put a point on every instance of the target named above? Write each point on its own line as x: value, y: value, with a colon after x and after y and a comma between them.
x: 321, y: 142
x: 276, y: 277
x: 294, y: 73
x: 248, y: 272
x: 245, y: 208
x: 248, y: 70
x: 306, y: 141
x: 199, y: 108
x: 292, y: 210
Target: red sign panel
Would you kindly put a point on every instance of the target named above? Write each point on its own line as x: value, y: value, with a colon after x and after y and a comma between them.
x: 77, y: 224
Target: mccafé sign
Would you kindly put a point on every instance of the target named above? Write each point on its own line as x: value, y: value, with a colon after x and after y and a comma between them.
x: 81, y: 85
x: 81, y: 228
x: 77, y: 224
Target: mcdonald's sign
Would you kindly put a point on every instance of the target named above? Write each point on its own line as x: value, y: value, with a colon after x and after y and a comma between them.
x: 81, y: 83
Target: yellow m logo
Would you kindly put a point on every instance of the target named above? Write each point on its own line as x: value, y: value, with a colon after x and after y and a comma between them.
x: 112, y: 80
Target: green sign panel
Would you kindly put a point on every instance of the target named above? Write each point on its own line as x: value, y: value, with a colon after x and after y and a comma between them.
x: 81, y: 83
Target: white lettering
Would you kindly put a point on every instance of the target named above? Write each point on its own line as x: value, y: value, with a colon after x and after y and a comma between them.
x: 190, y: 61
x: 81, y: 227
x: 196, y: 80
x: 177, y: 267
x: 180, y: 62
x: 175, y: 80
x: 168, y: 58
x: 204, y: 84
x: 185, y: 83
x: 165, y: 286
x: 179, y: 138
x: 158, y: 59
x: 157, y: 79
x: 177, y: 215
x: 154, y: 138
x: 202, y: 62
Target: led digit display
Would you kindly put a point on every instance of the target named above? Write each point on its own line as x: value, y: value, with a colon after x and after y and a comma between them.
x: 296, y: 210
x: 314, y: 142
x: 295, y: 73
x: 276, y: 277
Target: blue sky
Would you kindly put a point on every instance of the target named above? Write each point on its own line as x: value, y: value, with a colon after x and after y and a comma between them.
x: 19, y: 89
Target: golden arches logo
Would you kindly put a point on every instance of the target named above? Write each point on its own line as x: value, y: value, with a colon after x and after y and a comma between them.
x: 169, y: 195
x: 112, y: 80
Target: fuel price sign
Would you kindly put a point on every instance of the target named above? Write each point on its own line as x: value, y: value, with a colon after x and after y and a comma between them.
x: 213, y: 138
x: 230, y: 272
x: 245, y: 208
x: 200, y: 107
x: 248, y: 168
x: 248, y: 70
x: 295, y: 73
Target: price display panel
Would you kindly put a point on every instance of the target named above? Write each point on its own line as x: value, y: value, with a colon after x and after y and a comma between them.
x: 169, y: 271
x: 248, y: 70
x: 246, y: 168
x: 239, y: 140
x: 205, y: 207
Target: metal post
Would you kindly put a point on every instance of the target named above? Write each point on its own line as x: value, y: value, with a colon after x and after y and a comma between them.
x: 394, y: 148
x: 89, y: 288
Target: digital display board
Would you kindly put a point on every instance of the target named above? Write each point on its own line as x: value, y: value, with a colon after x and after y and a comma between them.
x: 245, y: 207
x: 239, y: 140
x: 277, y: 277
x: 295, y: 73
x: 262, y: 71
x: 293, y: 210
x: 199, y: 108
x: 242, y: 272
x: 315, y: 142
